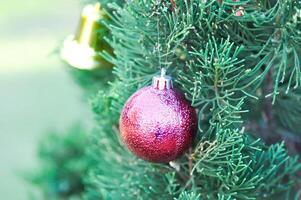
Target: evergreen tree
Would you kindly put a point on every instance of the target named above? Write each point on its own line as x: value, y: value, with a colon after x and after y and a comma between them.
x: 238, y: 63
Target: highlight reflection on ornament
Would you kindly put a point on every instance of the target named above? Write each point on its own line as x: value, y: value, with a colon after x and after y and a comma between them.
x: 80, y: 50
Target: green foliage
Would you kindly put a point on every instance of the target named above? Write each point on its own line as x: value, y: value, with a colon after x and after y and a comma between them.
x: 188, y: 196
x: 287, y: 109
x: 220, y: 62
x: 232, y: 69
x: 63, y: 164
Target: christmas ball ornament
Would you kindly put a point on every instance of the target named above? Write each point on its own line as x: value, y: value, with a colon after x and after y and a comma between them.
x: 157, y: 123
x: 82, y: 49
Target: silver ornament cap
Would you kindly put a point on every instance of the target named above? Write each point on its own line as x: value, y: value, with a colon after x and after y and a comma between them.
x: 162, y: 82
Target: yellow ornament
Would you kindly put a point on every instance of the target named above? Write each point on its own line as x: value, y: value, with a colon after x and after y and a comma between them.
x: 82, y: 49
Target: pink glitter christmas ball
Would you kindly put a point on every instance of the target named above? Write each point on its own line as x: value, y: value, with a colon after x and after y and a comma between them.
x: 158, y: 125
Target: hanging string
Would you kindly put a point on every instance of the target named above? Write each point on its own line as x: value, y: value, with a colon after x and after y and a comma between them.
x: 158, y: 32
x: 158, y: 46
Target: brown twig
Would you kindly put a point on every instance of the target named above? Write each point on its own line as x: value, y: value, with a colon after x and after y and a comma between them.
x: 173, y: 4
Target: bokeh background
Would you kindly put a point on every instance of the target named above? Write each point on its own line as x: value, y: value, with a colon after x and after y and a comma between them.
x: 37, y: 93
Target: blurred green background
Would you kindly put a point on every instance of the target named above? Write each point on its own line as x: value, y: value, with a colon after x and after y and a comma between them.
x: 37, y: 93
